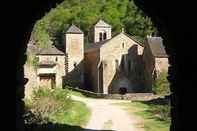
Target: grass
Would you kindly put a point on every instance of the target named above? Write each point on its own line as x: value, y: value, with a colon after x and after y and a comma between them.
x: 151, y: 121
x: 78, y: 114
x: 75, y: 93
x: 56, y: 107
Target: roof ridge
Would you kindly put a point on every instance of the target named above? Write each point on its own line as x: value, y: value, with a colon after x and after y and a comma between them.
x: 74, y: 29
x: 101, y: 22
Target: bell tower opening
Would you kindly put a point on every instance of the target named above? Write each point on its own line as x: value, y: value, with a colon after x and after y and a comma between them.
x: 102, y: 31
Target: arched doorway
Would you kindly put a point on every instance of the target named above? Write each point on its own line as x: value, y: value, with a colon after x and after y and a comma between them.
x: 122, y: 90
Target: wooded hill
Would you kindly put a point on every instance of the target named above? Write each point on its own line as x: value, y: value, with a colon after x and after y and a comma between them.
x: 84, y: 14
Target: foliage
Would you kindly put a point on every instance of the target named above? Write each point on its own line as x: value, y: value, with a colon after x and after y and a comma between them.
x: 162, y: 111
x: 55, y: 106
x: 85, y: 13
x: 32, y: 60
x: 75, y: 93
x: 161, y: 86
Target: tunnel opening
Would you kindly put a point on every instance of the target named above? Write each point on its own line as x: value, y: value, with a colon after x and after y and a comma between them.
x: 170, y: 43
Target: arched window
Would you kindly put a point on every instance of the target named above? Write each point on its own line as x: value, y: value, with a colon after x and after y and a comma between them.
x: 104, y: 36
x: 100, y: 36
x: 116, y: 64
x: 123, y: 63
x: 123, y: 45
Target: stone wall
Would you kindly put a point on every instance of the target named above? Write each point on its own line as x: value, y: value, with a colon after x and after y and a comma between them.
x: 161, y: 64
x: 123, y: 50
x: 30, y: 74
x: 58, y: 69
x: 153, y: 66
x: 91, y: 70
x: 149, y: 64
x: 115, y: 61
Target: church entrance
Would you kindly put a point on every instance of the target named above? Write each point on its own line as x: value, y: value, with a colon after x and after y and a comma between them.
x: 122, y: 90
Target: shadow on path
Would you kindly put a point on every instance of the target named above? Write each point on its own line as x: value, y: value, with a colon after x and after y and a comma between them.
x: 57, y: 127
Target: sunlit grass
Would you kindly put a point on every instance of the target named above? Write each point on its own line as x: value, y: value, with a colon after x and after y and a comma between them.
x: 151, y: 122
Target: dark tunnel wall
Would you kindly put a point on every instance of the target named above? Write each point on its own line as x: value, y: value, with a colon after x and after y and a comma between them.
x: 27, y: 13
x: 174, y: 24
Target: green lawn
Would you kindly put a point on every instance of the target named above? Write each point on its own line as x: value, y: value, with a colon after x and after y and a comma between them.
x: 151, y: 121
x: 75, y: 93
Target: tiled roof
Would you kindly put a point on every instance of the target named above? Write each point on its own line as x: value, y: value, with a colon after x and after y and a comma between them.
x: 156, y: 46
x: 96, y: 45
x: 101, y: 23
x: 31, y: 48
x: 74, y: 30
x: 50, y: 51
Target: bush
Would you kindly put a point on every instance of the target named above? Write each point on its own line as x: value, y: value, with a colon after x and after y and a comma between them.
x: 161, y: 85
x: 46, y: 103
x: 54, y: 106
x: 56, y: 94
x: 162, y: 111
x: 32, y: 60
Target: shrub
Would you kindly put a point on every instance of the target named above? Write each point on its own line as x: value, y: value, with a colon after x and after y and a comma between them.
x: 161, y: 85
x: 46, y: 103
x: 162, y: 111
x: 32, y: 60
x: 55, y: 106
x: 35, y: 61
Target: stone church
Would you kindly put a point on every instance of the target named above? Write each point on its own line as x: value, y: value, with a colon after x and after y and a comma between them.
x: 110, y: 64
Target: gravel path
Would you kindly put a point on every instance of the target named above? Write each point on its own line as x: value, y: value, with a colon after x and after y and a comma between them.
x: 106, y: 116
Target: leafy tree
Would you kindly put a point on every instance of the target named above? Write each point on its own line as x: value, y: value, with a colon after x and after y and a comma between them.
x: 85, y: 13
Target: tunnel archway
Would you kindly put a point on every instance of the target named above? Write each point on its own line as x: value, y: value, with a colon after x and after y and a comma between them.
x: 171, y: 36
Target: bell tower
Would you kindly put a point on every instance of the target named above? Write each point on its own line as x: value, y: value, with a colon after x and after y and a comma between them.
x: 102, y: 31
x: 74, y: 51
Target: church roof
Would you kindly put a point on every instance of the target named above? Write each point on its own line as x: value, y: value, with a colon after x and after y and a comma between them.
x: 102, y: 23
x: 156, y: 46
x: 73, y: 29
x: 50, y: 51
x: 97, y: 45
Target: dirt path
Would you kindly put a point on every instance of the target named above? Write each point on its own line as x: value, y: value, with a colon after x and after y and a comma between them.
x: 107, y: 116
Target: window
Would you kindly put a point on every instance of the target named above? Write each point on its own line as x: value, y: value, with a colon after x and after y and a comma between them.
x: 100, y: 36
x: 104, y: 36
x: 123, y: 45
x: 56, y: 59
x: 123, y: 63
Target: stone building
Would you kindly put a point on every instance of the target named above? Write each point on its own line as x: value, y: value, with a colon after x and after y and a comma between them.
x: 110, y: 64
x: 155, y: 59
x: 113, y: 63
x: 74, y: 51
x: 51, y: 67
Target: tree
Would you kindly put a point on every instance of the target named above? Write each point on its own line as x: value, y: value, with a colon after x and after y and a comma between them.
x: 84, y: 13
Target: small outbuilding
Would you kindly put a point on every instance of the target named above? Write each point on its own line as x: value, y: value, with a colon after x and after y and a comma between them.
x: 51, y: 67
x: 155, y: 59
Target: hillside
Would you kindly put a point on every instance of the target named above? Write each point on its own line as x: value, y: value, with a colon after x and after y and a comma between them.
x: 85, y: 13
